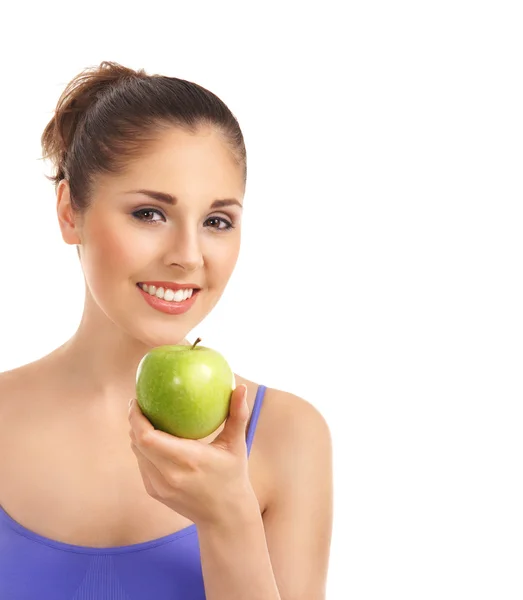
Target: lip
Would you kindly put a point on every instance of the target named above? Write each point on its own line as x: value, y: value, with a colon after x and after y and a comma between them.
x: 165, y: 306
x: 171, y: 285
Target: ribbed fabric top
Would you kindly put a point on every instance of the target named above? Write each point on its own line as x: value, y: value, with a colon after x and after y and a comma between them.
x: 33, y: 567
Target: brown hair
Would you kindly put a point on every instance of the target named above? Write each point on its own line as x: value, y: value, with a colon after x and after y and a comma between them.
x: 108, y: 114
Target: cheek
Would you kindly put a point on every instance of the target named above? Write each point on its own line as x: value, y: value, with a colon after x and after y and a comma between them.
x: 112, y: 253
x: 222, y: 258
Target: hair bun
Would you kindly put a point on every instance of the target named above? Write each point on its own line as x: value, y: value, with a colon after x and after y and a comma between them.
x: 80, y: 94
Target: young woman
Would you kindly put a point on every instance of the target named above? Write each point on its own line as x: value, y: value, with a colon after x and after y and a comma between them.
x: 150, y: 176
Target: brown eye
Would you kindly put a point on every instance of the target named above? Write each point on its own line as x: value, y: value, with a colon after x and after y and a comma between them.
x: 228, y: 224
x: 139, y: 214
x: 144, y: 213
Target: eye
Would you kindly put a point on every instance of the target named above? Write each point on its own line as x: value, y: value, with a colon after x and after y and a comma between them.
x: 139, y: 214
x: 228, y: 224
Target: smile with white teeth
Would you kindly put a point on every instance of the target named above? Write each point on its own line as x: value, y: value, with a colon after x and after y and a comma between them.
x: 169, y: 295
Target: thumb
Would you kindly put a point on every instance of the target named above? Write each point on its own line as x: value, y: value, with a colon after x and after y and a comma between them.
x: 233, y: 434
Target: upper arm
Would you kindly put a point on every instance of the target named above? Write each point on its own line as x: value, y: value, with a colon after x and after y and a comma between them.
x: 298, y: 519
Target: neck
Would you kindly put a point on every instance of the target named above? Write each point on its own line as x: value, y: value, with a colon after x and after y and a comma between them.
x: 100, y: 360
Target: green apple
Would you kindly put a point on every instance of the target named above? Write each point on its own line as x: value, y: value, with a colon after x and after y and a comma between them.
x: 185, y: 390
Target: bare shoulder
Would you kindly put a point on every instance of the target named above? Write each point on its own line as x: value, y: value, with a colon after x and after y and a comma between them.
x: 11, y: 384
x: 10, y: 381
x: 22, y: 380
x: 293, y: 419
x: 285, y: 417
x: 20, y: 374
x: 291, y: 434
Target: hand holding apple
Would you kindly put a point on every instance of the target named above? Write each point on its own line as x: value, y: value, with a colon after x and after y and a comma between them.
x: 207, y: 483
x: 184, y: 390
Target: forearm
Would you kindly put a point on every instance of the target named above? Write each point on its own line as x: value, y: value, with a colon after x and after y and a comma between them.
x: 235, y: 559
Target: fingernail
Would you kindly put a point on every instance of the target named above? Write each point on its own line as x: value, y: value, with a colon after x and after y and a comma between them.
x: 130, y: 402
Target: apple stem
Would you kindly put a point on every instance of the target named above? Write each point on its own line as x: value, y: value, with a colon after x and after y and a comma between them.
x: 196, y: 342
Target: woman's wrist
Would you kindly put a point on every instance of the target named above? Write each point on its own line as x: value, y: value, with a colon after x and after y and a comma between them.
x: 242, y: 512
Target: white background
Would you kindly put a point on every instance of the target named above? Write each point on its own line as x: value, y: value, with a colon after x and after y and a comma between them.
x: 380, y: 271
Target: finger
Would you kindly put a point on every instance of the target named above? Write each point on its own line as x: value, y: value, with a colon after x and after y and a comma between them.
x: 160, y: 446
x: 162, y: 462
x: 139, y: 422
x: 233, y: 433
x: 153, y: 479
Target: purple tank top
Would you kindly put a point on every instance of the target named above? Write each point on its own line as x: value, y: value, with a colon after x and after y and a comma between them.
x: 33, y: 567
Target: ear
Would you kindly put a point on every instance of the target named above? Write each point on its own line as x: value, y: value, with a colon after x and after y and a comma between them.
x: 66, y: 217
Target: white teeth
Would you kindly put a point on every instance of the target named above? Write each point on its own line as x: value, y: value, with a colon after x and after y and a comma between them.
x: 167, y: 294
x: 180, y: 295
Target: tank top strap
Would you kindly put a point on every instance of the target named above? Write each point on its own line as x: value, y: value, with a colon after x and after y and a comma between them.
x: 254, y: 416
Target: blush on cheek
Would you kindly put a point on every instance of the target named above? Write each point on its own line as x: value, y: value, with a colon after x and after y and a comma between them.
x: 108, y: 256
x: 116, y: 248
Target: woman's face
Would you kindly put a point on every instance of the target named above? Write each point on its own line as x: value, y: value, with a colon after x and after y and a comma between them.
x: 127, y: 237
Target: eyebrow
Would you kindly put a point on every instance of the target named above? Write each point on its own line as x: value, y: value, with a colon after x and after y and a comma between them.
x: 172, y: 200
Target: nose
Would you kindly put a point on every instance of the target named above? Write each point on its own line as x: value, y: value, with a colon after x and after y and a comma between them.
x: 185, y: 250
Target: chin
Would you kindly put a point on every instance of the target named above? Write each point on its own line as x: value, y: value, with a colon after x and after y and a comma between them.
x: 150, y: 340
